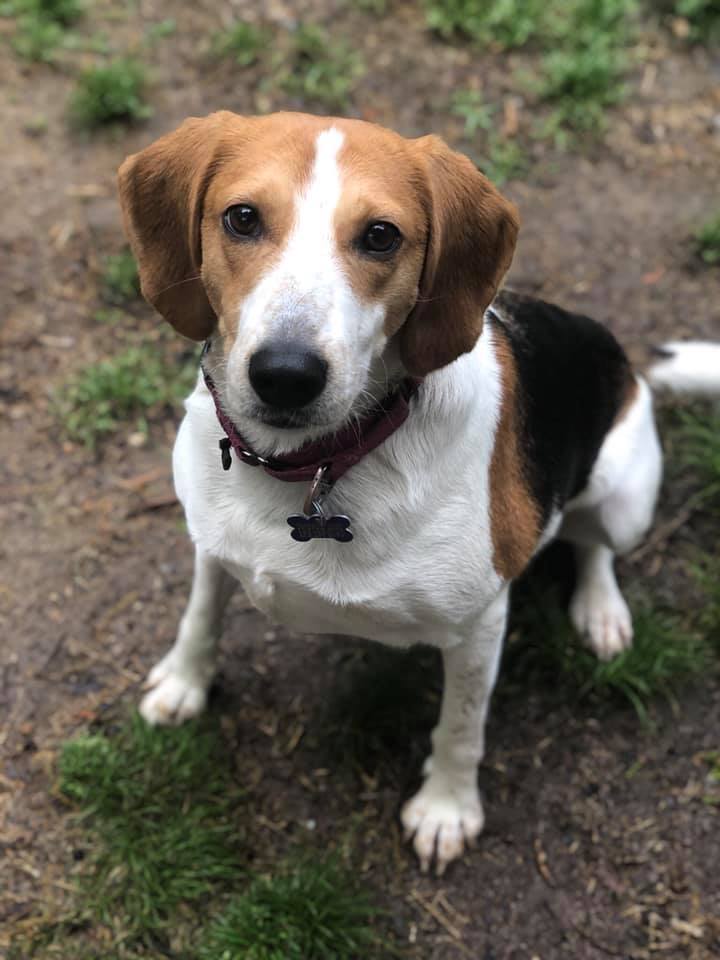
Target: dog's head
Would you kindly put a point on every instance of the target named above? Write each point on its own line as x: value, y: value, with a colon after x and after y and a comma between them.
x: 313, y: 251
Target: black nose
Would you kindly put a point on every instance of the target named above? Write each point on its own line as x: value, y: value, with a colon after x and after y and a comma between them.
x: 287, y: 374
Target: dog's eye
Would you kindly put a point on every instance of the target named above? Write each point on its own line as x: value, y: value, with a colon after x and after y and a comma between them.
x: 241, y: 220
x: 380, y: 237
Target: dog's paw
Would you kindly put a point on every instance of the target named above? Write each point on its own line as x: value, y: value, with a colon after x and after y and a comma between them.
x: 174, y: 694
x: 603, y: 621
x: 442, y: 817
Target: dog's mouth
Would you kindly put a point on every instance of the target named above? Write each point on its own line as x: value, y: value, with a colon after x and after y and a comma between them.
x: 290, y: 419
x: 284, y: 419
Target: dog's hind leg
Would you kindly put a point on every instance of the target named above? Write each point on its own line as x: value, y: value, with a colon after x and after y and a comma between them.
x: 178, y: 684
x: 611, y: 517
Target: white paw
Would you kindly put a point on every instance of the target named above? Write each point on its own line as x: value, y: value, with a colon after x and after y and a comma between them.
x: 442, y: 816
x: 176, y: 693
x: 603, y: 621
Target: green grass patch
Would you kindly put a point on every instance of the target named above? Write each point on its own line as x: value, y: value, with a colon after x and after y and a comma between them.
x: 498, y: 157
x: 505, y: 23
x: 41, y: 26
x: 312, y: 910
x: 110, y: 94
x: 707, y: 240
x: 702, y: 16
x: 544, y: 648
x: 320, y: 68
x: 163, y: 829
x: 120, y: 281
x: 476, y: 114
x: 163, y: 870
x: 582, y: 82
x: 707, y: 573
x: 122, y: 391
x: 691, y: 435
x: 583, y: 44
x: 242, y: 42
x: 502, y: 159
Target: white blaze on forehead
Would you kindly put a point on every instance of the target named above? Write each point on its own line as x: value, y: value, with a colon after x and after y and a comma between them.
x: 303, y: 284
x: 317, y: 202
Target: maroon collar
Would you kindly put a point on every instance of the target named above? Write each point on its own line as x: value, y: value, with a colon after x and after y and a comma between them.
x: 336, y: 453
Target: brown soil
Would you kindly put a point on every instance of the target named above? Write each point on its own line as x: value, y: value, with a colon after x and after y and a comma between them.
x: 598, y: 842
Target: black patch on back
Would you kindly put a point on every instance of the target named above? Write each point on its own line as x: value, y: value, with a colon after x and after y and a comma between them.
x: 573, y: 378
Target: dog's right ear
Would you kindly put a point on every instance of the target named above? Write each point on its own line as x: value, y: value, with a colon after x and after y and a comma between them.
x: 162, y: 190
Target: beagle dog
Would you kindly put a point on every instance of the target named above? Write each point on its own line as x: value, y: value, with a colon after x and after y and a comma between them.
x: 378, y: 442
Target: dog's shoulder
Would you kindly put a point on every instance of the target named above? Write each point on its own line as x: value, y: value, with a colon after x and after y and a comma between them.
x: 571, y: 382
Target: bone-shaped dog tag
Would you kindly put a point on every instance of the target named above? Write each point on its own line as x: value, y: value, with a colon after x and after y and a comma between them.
x: 318, y: 527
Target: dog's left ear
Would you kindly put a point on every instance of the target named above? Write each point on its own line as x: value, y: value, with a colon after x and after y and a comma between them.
x: 162, y: 191
x: 472, y: 235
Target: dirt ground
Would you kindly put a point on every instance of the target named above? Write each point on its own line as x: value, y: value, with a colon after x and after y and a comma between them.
x: 598, y: 842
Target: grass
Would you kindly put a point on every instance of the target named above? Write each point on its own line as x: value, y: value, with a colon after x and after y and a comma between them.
x: 505, y: 23
x: 703, y: 19
x: 163, y: 863
x: 110, y: 94
x: 312, y: 910
x: 475, y: 113
x: 120, y: 281
x: 707, y: 240
x: 106, y: 397
x: 583, y: 45
x: 707, y: 574
x: 163, y: 832
x: 692, y: 439
x: 499, y: 158
x: 41, y: 26
x: 319, y: 68
x: 581, y: 82
x: 502, y: 159
x: 542, y: 645
x: 243, y: 42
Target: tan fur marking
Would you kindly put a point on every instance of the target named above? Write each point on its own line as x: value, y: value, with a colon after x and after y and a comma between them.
x: 514, y: 515
x: 381, y: 181
x: 630, y: 393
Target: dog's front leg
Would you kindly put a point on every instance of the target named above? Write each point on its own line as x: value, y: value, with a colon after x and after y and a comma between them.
x: 447, y: 812
x: 178, y: 684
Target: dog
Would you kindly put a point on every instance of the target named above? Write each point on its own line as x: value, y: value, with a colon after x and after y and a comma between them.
x: 687, y: 368
x: 379, y: 440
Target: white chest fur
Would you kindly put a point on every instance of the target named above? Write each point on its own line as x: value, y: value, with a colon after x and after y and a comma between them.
x: 420, y: 566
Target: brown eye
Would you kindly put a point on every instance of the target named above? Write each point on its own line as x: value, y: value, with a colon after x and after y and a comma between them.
x: 380, y: 237
x: 241, y: 220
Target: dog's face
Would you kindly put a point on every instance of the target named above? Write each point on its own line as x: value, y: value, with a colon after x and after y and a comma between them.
x: 306, y: 246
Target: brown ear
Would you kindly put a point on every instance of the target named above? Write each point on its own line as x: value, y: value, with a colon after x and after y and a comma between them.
x: 162, y: 190
x: 472, y: 234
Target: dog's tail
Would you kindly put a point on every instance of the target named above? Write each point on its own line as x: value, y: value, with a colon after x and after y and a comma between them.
x: 691, y: 367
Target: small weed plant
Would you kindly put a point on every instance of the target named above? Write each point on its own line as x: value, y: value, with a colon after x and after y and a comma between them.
x: 505, y: 23
x: 320, y: 68
x: 124, y: 390
x: 707, y: 240
x: 110, y: 94
x: 120, y: 281
x: 692, y: 438
x: 703, y: 18
x: 470, y: 106
x: 41, y: 26
x: 242, y: 42
x: 502, y: 159
x: 583, y: 45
